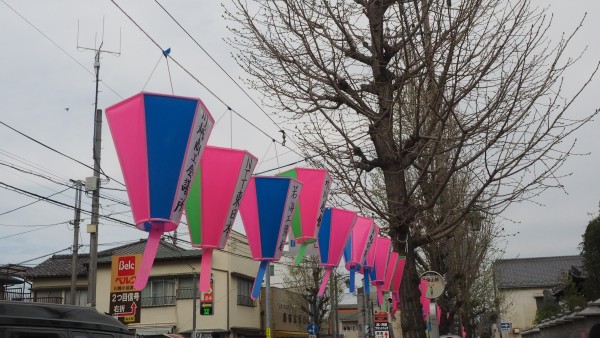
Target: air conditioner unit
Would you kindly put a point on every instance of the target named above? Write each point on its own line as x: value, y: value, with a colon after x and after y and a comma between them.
x: 516, y: 331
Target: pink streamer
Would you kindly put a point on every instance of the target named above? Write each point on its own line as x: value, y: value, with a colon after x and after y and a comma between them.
x: 148, y: 258
x: 324, y: 282
x: 205, y: 267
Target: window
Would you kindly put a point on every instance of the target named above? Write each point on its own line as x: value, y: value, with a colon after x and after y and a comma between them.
x: 186, y: 288
x: 80, y: 297
x: 244, y: 292
x: 289, y: 318
x: 54, y: 296
x: 159, y: 292
x: 295, y: 319
x: 284, y: 317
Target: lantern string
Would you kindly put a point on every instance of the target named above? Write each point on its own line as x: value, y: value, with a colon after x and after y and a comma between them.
x: 152, y: 73
x: 260, y: 162
x: 277, y: 156
x: 170, y: 79
x: 230, y: 127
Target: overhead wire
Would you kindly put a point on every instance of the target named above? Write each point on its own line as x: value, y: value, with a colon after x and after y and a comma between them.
x: 195, y: 78
x: 57, y: 151
x: 222, y: 69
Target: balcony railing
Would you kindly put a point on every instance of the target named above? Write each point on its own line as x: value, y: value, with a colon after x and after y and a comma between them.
x: 187, y: 293
x: 158, y: 301
x: 245, y: 301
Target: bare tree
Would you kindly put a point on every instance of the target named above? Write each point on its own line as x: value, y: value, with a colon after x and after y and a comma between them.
x: 409, y: 97
x: 304, y: 281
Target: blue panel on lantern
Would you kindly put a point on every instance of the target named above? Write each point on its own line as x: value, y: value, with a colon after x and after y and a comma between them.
x: 324, y: 234
x: 348, y: 249
x: 271, y: 195
x: 168, y: 124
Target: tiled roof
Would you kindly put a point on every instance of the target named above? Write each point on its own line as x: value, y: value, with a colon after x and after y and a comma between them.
x: 60, y: 265
x: 541, y: 272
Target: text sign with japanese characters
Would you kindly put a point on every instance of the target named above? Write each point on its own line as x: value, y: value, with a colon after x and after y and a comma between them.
x: 123, y: 271
x: 126, y: 306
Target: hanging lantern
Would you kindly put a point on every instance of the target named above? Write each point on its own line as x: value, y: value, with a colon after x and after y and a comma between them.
x: 311, y: 205
x: 382, y: 254
x: 333, y: 235
x: 397, y: 282
x: 159, y: 141
x: 214, y: 200
x: 361, y: 238
x: 369, y: 262
x: 267, y: 210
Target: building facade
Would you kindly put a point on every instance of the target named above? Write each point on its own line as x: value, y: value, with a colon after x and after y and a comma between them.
x: 522, y: 282
x: 167, y: 301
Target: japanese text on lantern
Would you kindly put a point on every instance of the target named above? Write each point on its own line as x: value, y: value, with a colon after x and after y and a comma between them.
x: 289, y: 213
x: 245, y: 175
x: 193, y: 158
x: 323, y: 202
x: 370, y: 241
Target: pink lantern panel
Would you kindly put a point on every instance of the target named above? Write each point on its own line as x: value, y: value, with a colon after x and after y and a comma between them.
x: 159, y: 141
x: 361, y: 238
x: 333, y: 235
x: 316, y: 184
x: 390, y: 270
x: 397, y: 281
x: 425, y: 302
x: 267, y: 210
x: 214, y: 201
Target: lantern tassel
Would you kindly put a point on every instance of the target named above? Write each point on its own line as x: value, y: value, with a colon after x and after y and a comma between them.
x: 301, y: 252
x: 367, y: 286
x: 149, y: 254
x: 260, y: 275
x: 205, y: 268
x: 352, y: 284
x: 380, y: 295
x: 324, y: 282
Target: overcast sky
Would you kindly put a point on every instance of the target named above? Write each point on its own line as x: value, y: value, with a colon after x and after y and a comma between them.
x: 47, y: 93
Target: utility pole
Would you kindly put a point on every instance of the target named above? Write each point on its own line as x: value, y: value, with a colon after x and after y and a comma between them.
x: 75, y: 241
x: 333, y: 295
x: 93, y: 183
x: 195, y: 300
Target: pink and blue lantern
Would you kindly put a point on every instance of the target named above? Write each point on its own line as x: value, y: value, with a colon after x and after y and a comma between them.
x: 334, y: 232
x: 382, y: 254
x: 159, y: 141
x: 368, y: 265
x: 361, y: 238
x: 397, y: 282
x: 267, y: 210
x: 214, y: 201
x: 307, y: 219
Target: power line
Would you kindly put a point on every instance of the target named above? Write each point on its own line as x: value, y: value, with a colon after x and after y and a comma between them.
x: 222, y: 69
x: 28, y: 204
x: 198, y: 80
x: 56, y: 151
x: 64, y: 205
x: 24, y: 232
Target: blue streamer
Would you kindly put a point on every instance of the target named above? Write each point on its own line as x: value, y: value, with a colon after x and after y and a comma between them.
x: 260, y: 275
x: 367, y: 284
x: 351, y: 287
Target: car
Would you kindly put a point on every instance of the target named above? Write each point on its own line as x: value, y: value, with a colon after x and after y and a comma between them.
x: 42, y: 320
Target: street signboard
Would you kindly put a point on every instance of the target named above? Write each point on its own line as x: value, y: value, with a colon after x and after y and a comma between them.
x: 435, y: 284
x: 268, y: 332
x: 206, y: 301
x: 125, y: 302
x: 312, y: 329
x: 505, y: 327
x: 380, y: 317
x: 126, y: 306
x: 123, y: 271
x: 382, y: 330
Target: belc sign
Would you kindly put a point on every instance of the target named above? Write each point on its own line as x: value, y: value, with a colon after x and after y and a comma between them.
x: 123, y: 272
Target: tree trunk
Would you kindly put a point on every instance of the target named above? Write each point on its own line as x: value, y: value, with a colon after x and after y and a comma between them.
x: 413, y: 325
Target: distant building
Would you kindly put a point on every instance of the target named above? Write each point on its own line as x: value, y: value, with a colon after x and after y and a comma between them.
x: 523, y: 281
x: 167, y: 300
